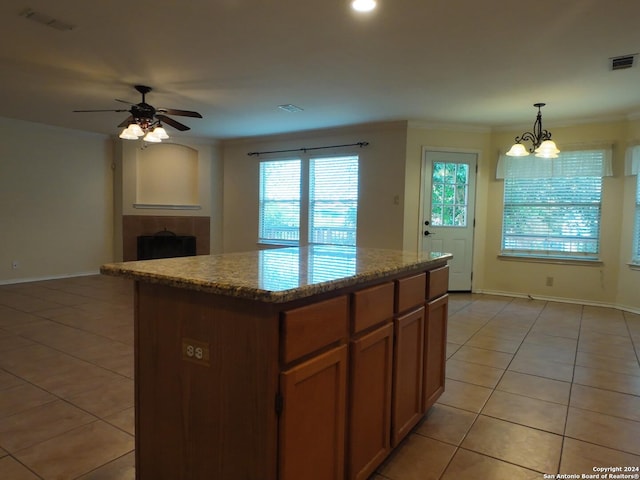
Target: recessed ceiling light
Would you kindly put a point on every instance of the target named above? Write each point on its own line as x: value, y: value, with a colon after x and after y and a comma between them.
x: 363, y: 5
x: 290, y: 108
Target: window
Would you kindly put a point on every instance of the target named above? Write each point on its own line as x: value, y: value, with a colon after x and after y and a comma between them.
x: 321, y: 211
x: 280, y: 201
x: 552, y: 207
x: 282, y: 268
x: 636, y: 234
x: 333, y: 200
x: 449, y: 192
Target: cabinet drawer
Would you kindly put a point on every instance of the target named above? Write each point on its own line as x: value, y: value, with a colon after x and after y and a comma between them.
x: 372, y: 306
x: 410, y: 292
x: 437, y: 282
x: 312, y: 327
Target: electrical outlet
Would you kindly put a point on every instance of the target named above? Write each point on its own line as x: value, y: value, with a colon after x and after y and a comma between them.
x: 15, y: 264
x: 549, y: 282
x: 195, y: 351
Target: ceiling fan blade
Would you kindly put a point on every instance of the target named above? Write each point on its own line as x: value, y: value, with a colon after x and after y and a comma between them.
x: 127, y: 121
x: 84, y: 111
x: 183, y: 113
x: 172, y: 122
x: 124, y: 101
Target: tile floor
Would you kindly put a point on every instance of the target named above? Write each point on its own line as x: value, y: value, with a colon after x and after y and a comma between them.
x: 533, y: 387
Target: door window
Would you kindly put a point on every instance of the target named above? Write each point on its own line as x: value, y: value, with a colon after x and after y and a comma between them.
x: 449, y: 194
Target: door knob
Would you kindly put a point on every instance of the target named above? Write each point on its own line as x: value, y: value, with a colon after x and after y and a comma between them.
x: 427, y: 233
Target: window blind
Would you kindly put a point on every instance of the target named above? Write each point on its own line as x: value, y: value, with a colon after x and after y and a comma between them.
x: 330, y: 262
x: 552, y: 209
x: 636, y: 235
x: 333, y: 200
x: 279, y: 218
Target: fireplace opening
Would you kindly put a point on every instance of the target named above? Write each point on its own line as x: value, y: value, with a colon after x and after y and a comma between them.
x: 165, y: 244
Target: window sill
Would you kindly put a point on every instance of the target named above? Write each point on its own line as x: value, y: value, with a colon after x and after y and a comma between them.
x: 554, y: 260
x: 634, y: 266
x: 278, y: 243
x: 159, y: 206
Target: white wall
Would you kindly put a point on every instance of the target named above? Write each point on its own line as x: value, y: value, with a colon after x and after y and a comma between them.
x: 454, y: 138
x: 381, y: 181
x: 610, y: 282
x: 133, y: 158
x: 628, y: 294
x: 56, y: 201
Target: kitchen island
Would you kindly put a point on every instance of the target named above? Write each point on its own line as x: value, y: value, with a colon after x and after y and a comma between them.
x: 283, y: 364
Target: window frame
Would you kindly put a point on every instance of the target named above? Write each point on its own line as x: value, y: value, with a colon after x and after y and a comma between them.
x: 563, y: 252
x: 262, y: 201
x: 305, y: 211
x: 635, y: 243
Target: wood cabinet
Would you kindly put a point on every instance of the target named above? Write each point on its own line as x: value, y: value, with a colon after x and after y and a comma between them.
x: 435, y: 350
x: 312, y: 423
x: 370, y: 376
x: 435, y: 335
x: 369, y: 429
x: 407, y: 373
x: 313, y: 394
x: 408, y: 354
x: 320, y: 388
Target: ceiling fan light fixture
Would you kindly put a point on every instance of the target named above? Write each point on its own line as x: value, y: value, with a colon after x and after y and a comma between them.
x: 151, y: 138
x: 160, y: 133
x: 144, y: 118
x: 135, y: 129
x: 127, y: 134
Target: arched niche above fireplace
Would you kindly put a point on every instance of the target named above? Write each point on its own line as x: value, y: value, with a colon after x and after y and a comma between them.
x: 167, y: 177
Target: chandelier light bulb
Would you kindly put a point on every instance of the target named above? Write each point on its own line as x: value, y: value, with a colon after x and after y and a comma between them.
x: 547, y: 149
x: 517, y: 150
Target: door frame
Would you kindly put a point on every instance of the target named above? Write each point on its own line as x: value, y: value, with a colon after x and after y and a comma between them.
x: 423, y: 173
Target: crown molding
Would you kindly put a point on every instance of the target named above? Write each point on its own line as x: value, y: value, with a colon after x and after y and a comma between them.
x: 455, y: 127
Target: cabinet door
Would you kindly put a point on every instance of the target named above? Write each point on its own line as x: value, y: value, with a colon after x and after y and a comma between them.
x: 369, y: 432
x: 407, y: 373
x: 435, y: 342
x: 312, y: 422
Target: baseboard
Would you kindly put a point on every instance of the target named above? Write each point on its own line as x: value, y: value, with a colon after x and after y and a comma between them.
x: 546, y: 298
x: 12, y: 281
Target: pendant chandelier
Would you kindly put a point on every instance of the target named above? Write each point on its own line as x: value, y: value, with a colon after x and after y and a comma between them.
x: 542, y: 145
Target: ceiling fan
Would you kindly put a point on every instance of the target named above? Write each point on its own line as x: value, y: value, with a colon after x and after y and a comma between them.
x: 146, y: 120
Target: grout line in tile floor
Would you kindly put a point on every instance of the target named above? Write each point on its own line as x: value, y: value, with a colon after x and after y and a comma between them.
x: 501, y: 376
x: 495, y: 438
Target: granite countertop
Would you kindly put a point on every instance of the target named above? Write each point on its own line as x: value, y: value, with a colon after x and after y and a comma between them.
x: 276, y: 275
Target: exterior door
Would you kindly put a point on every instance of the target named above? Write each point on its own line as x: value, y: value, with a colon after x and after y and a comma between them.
x: 448, y: 192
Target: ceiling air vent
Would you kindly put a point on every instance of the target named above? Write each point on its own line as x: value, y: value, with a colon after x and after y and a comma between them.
x: 46, y: 20
x: 620, y: 63
x: 289, y: 107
